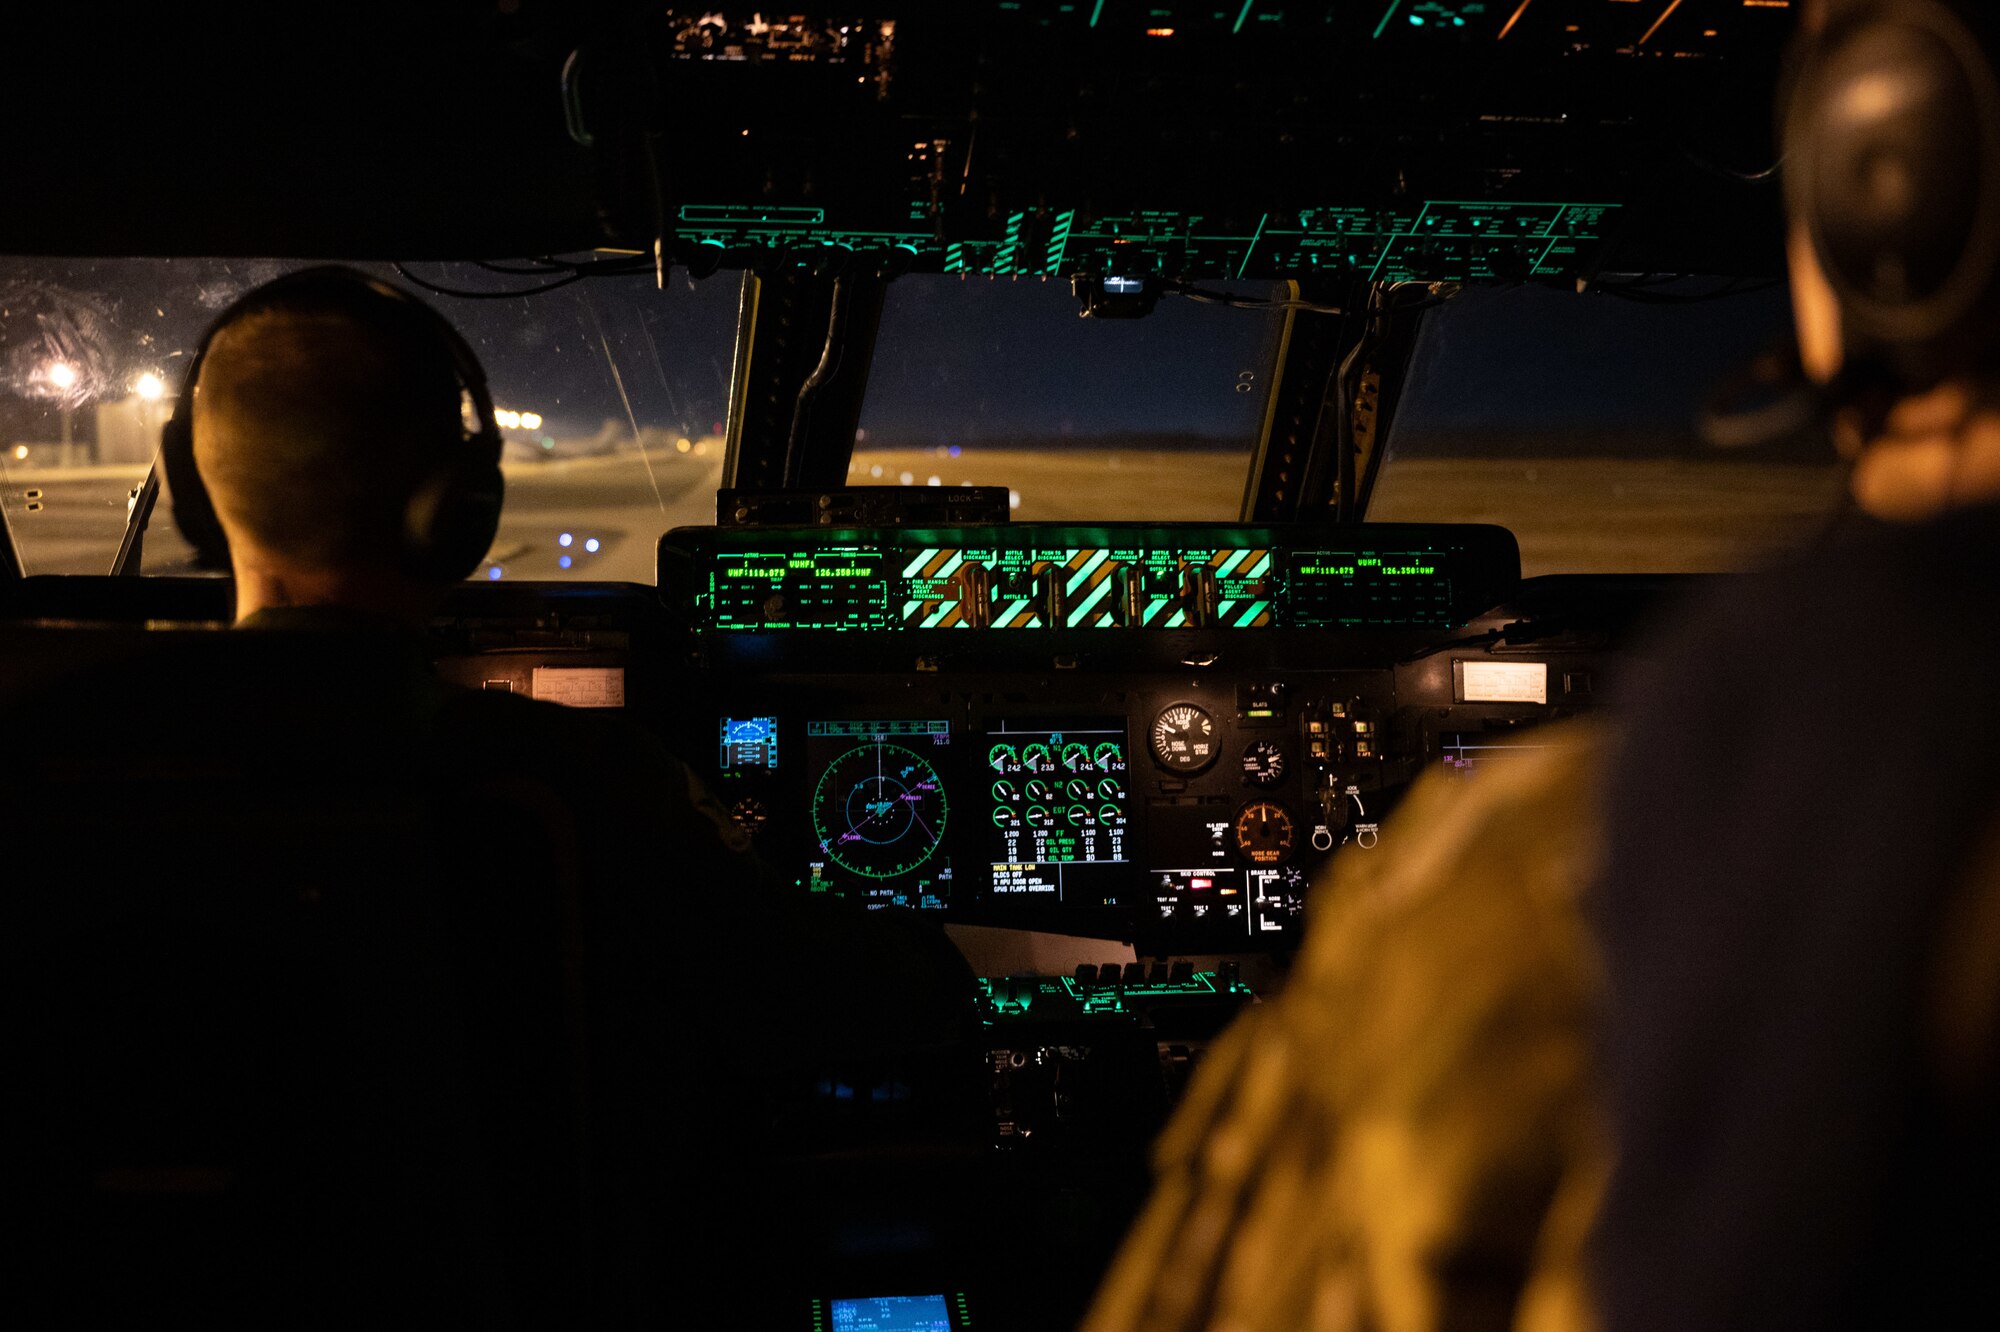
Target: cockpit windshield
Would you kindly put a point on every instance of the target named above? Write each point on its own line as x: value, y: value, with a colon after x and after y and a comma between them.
x: 1571, y: 419
x: 979, y: 382
x: 1567, y: 418
x: 610, y: 395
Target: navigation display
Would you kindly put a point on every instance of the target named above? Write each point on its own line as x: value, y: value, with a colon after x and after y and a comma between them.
x: 1058, y: 808
x: 879, y: 811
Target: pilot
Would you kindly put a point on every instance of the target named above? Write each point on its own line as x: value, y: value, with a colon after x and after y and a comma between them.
x: 342, y: 432
x: 1749, y: 936
x: 1800, y: 918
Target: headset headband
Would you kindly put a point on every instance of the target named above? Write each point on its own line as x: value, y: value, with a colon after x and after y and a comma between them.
x: 451, y: 516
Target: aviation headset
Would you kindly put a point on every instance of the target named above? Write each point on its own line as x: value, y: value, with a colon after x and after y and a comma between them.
x: 1892, y: 163
x: 454, y: 510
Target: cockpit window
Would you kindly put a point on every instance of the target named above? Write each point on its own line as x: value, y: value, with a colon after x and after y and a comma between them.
x: 1571, y: 419
x: 982, y: 382
x: 611, y: 396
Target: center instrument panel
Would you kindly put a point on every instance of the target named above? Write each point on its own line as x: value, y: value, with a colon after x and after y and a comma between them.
x: 1149, y: 732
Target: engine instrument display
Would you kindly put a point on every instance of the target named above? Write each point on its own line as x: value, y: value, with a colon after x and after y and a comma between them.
x: 1059, y: 809
x: 879, y: 811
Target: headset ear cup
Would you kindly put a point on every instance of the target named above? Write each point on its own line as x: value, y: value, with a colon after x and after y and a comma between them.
x: 1893, y: 167
x: 194, y: 511
x: 451, y: 519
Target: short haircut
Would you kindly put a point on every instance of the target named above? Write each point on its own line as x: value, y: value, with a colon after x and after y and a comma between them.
x: 317, y: 414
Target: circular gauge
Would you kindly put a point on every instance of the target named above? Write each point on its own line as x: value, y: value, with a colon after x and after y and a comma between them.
x: 1184, y: 738
x: 1075, y: 756
x: 879, y: 810
x: 1077, y: 788
x: 1265, y: 832
x: 1109, y: 756
x: 1004, y: 817
x: 1036, y: 758
x: 1003, y: 791
x: 1112, y: 816
x: 750, y: 815
x: 1264, y: 763
x: 1038, y: 789
x: 1038, y: 816
x: 1111, y: 789
x: 1078, y: 815
x: 1002, y: 757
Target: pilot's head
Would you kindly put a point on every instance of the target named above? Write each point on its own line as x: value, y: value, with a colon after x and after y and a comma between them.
x: 344, y: 435
x: 1892, y: 174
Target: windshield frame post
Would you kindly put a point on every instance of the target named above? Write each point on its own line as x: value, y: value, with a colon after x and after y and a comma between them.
x: 1311, y: 346
x: 805, y: 343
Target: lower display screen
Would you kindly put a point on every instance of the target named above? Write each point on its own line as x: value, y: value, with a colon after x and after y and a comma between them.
x: 880, y: 811
x: 891, y: 1313
x: 1058, y: 810
x: 1465, y: 753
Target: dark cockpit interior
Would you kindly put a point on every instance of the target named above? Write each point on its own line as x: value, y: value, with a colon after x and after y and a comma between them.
x: 1104, y: 727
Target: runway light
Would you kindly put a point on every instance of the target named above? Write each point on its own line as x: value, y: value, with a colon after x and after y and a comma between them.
x: 1013, y: 499
x: 564, y: 539
x: 548, y: 444
x: 876, y: 470
x: 507, y: 420
x: 591, y: 545
x: 493, y: 574
x: 565, y: 562
x: 683, y: 445
x: 934, y: 481
x: 906, y: 478
x: 149, y: 386
x: 531, y: 420
x: 62, y: 374
x: 20, y: 451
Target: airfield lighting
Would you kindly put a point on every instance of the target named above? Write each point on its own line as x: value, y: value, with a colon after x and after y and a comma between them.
x: 591, y: 545
x: 683, y: 444
x: 507, y: 420
x: 149, y: 387
x: 565, y: 539
x: 20, y: 451
x: 62, y: 374
x: 531, y: 420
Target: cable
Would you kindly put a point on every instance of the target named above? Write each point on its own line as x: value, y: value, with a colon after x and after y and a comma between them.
x: 485, y: 295
x: 1730, y: 172
x: 1244, y: 302
x: 1733, y: 287
x: 564, y: 272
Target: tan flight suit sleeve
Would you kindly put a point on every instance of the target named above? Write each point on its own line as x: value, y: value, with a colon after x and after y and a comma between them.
x: 1406, y: 1138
